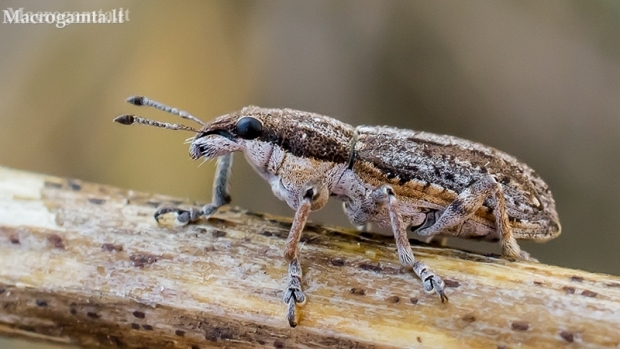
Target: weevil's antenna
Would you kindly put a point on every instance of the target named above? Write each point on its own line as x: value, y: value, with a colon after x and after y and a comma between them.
x: 133, y: 119
x: 143, y: 101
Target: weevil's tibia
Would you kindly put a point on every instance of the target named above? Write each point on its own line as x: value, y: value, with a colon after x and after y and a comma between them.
x: 293, y: 294
x: 465, y: 206
x: 220, y: 198
x: 221, y: 195
x: 431, y: 282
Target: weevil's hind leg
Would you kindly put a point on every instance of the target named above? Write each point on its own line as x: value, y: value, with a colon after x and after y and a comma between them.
x: 221, y: 196
x: 293, y: 294
x: 465, y: 206
x: 431, y: 282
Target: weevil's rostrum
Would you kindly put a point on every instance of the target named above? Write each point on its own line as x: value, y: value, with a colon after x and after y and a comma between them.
x: 399, y: 179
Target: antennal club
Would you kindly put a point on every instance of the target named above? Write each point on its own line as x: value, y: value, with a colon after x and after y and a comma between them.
x: 133, y: 119
x: 143, y: 101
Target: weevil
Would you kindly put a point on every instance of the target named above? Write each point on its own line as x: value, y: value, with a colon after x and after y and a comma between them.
x: 403, y: 180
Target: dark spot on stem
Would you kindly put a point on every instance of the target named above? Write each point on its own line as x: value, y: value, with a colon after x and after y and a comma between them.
x: 179, y: 333
x: 569, y: 290
x: 111, y: 247
x: 413, y: 300
x: 469, y: 318
x: 138, y: 314
x: 520, y: 325
x: 278, y: 343
x: 612, y: 284
x: 2, y: 290
x: 371, y: 267
x: 73, y: 311
x: 358, y: 291
x: 589, y: 293
x: 56, y: 241
x: 140, y: 260
x: 451, y: 283
x: 393, y: 299
x: 135, y: 326
x: 147, y: 327
x: 96, y: 201
x: 41, y: 303
x: 74, y: 185
x: 14, y: 239
x: 576, y: 278
x: 266, y: 233
x: 567, y: 336
x: 538, y: 283
x: 419, y: 339
x: 337, y: 262
x: 92, y: 315
x: 218, y: 233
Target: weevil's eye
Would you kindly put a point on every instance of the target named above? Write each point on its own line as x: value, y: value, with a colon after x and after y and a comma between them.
x: 249, y: 127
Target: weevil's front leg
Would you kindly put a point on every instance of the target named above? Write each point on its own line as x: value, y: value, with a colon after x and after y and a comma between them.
x: 466, y: 205
x: 431, y: 282
x: 293, y: 295
x: 221, y: 196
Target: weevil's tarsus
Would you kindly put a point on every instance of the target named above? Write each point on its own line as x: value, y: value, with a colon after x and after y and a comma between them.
x: 432, y: 283
x: 220, y: 198
x: 144, y: 101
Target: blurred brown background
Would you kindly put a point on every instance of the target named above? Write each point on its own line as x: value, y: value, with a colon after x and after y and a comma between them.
x: 539, y: 80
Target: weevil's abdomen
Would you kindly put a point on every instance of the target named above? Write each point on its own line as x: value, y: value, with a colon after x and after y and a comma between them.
x: 434, y: 169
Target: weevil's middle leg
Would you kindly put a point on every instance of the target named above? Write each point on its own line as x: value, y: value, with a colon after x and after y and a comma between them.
x: 293, y: 294
x: 220, y: 198
x: 431, y: 282
x: 465, y: 206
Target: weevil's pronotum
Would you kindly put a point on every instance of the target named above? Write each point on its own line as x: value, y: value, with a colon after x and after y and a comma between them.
x: 403, y: 180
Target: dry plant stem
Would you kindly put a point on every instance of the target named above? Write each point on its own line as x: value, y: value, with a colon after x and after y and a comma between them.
x: 86, y: 264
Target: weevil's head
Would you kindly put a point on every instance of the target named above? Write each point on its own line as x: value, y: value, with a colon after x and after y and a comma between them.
x: 228, y: 133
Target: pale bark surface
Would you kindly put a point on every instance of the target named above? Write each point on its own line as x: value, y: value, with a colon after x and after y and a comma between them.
x: 86, y: 264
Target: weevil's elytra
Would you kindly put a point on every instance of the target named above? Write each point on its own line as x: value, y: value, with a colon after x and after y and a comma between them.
x: 404, y: 180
